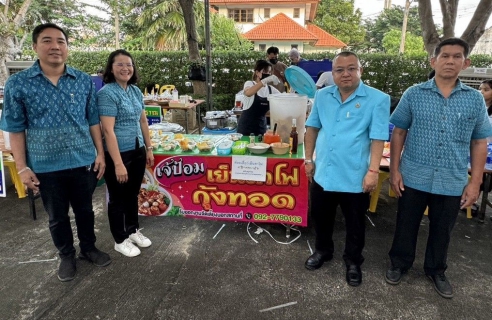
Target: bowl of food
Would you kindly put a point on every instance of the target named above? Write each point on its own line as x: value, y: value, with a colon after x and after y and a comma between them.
x: 204, y: 146
x: 153, y: 200
x: 178, y: 136
x: 239, y: 148
x: 224, y: 148
x: 280, y: 147
x: 258, y: 148
x: 169, y: 145
x: 234, y: 136
x: 187, y: 145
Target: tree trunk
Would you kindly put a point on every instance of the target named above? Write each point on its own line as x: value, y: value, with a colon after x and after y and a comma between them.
x: 199, y: 87
x: 8, y: 51
x: 8, y: 47
x: 476, y: 27
x: 429, y: 32
x: 449, y: 9
x: 191, y: 35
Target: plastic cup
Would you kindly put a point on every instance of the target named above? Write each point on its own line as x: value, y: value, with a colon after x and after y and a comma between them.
x: 269, y: 137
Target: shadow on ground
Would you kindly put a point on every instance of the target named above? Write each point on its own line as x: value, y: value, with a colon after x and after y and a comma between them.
x: 186, y: 274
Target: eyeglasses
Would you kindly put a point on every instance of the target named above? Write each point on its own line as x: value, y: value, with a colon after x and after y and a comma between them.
x: 121, y: 65
x: 340, y: 71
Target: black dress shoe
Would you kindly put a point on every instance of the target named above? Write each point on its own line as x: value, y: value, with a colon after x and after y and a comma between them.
x: 354, y: 275
x: 316, y: 260
x: 393, y: 275
x: 442, y: 285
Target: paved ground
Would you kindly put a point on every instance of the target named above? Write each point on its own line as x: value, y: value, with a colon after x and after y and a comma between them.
x: 186, y: 274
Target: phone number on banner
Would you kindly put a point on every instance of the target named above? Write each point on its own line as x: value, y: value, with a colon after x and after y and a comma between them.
x: 276, y: 217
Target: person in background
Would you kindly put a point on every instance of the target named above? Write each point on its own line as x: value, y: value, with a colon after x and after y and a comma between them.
x: 295, y: 57
x: 347, y: 126
x: 431, y: 74
x: 128, y: 149
x: 51, y: 113
x: 278, y: 68
x: 486, y: 90
x: 98, y: 80
x: 325, y: 79
x: 255, y: 102
x: 437, y: 124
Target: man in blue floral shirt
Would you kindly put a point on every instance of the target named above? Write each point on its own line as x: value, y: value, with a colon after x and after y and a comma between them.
x: 437, y: 123
x: 51, y: 113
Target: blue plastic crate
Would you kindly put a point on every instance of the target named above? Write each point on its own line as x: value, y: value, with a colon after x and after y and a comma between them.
x: 313, y: 67
x: 206, y: 130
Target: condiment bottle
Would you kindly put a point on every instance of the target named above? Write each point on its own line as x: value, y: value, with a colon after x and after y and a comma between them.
x: 252, y: 138
x: 175, y: 95
x: 293, y: 137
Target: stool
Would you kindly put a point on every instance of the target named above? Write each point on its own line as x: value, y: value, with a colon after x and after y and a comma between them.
x: 19, y: 186
x: 383, y: 175
x: 165, y: 87
x: 468, y: 210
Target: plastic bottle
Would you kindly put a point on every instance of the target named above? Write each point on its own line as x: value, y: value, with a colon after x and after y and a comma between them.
x: 175, y: 95
x: 252, y: 138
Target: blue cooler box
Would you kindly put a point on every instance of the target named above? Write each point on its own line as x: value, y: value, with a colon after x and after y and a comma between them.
x: 206, y: 130
x: 313, y: 67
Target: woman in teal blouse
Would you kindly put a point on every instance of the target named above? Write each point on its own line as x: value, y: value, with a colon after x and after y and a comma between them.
x: 127, y: 149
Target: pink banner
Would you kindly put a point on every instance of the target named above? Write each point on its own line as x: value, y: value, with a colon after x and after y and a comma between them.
x: 202, y: 187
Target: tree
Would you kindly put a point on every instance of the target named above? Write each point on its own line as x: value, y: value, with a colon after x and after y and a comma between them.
x: 413, y: 44
x: 11, y: 22
x: 388, y: 20
x: 19, y: 17
x: 449, y: 9
x: 339, y: 18
x: 224, y: 35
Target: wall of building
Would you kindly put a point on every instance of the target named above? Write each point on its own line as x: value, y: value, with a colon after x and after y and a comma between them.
x: 484, y: 44
x: 259, y: 17
x: 283, y: 46
x: 310, y: 49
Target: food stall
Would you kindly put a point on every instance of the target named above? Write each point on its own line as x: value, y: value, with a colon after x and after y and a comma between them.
x: 193, y: 176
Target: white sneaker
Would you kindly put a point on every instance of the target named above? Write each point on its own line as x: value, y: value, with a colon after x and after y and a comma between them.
x: 127, y: 248
x: 139, y: 239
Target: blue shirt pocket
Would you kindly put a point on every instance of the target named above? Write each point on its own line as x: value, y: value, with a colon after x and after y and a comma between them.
x: 464, y: 124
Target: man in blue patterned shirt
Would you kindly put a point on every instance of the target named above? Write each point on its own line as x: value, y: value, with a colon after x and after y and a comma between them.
x: 51, y: 113
x: 437, y: 122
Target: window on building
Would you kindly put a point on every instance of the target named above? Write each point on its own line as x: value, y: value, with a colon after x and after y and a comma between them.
x: 292, y: 46
x: 262, y: 47
x: 266, y: 13
x: 297, y: 12
x: 241, y: 15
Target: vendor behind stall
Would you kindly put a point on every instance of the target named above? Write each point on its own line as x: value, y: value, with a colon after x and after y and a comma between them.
x: 255, y: 102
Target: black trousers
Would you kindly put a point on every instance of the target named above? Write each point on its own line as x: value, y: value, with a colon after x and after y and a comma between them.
x: 443, y: 211
x: 123, y: 197
x: 323, y: 211
x: 60, y: 190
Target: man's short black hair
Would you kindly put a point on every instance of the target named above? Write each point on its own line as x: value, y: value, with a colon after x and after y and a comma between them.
x: 44, y: 26
x: 273, y: 50
x: 453, y: 42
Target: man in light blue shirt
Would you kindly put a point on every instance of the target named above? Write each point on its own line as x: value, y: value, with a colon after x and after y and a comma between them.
x: 51, y: 113
x: 438, y: 123
x: 347, y: 128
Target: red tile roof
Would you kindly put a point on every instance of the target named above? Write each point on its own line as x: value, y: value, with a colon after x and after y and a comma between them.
x: 324, y: 38
x: 280, y: 27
